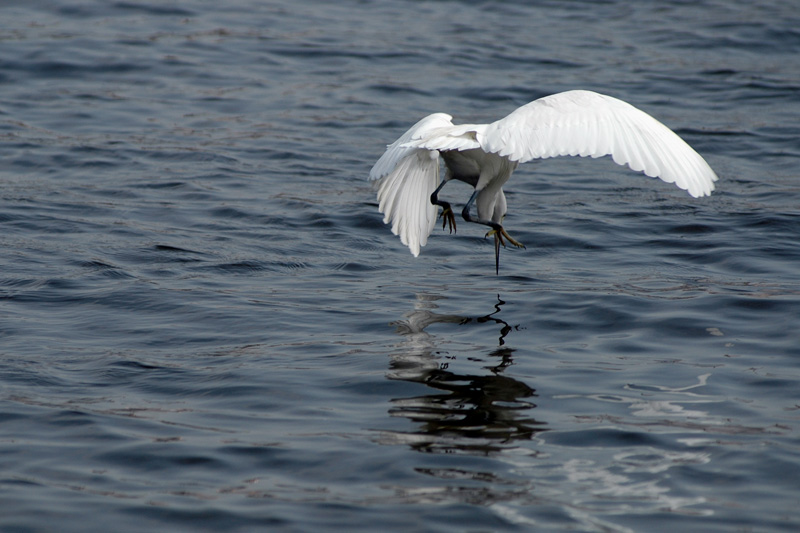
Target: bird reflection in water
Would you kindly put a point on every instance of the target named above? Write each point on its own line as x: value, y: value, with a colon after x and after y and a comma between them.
x: 469, y: 413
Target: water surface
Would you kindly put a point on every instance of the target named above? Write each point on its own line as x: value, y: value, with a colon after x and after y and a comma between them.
x: 205, y: 326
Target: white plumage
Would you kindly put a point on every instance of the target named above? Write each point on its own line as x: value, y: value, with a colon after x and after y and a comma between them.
x: 577, y: 123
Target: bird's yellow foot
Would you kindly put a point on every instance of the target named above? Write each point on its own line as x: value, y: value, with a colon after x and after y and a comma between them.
x: 448, y: 219
x: 501, y: 232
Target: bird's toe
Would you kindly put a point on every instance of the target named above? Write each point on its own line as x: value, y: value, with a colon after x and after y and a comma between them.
x: 448, y: 219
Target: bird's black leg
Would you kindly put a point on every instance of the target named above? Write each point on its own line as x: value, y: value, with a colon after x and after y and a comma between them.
x: 497, y: 230
x: 448, y: 219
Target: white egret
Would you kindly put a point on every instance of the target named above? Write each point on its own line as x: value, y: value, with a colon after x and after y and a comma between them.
x: 582, y: 123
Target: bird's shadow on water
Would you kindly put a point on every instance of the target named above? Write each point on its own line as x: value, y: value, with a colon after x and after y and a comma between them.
x: 481, y: 412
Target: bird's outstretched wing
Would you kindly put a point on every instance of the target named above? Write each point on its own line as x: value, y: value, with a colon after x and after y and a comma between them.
x: 407, y: 176
x: 586, y: 123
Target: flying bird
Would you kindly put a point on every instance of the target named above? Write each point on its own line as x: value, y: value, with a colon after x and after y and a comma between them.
x: 582, y: 123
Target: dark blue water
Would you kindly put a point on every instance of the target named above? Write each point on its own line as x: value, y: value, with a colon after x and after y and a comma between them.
x: 205, y: 326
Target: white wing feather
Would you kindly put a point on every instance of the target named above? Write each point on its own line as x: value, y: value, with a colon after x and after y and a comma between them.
x: 408, y: 176
x: 585, y: 123
x: 461, y: 137
x: 399, y: 149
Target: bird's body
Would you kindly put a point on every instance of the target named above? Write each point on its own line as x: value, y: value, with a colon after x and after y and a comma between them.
x: 580, y: 123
